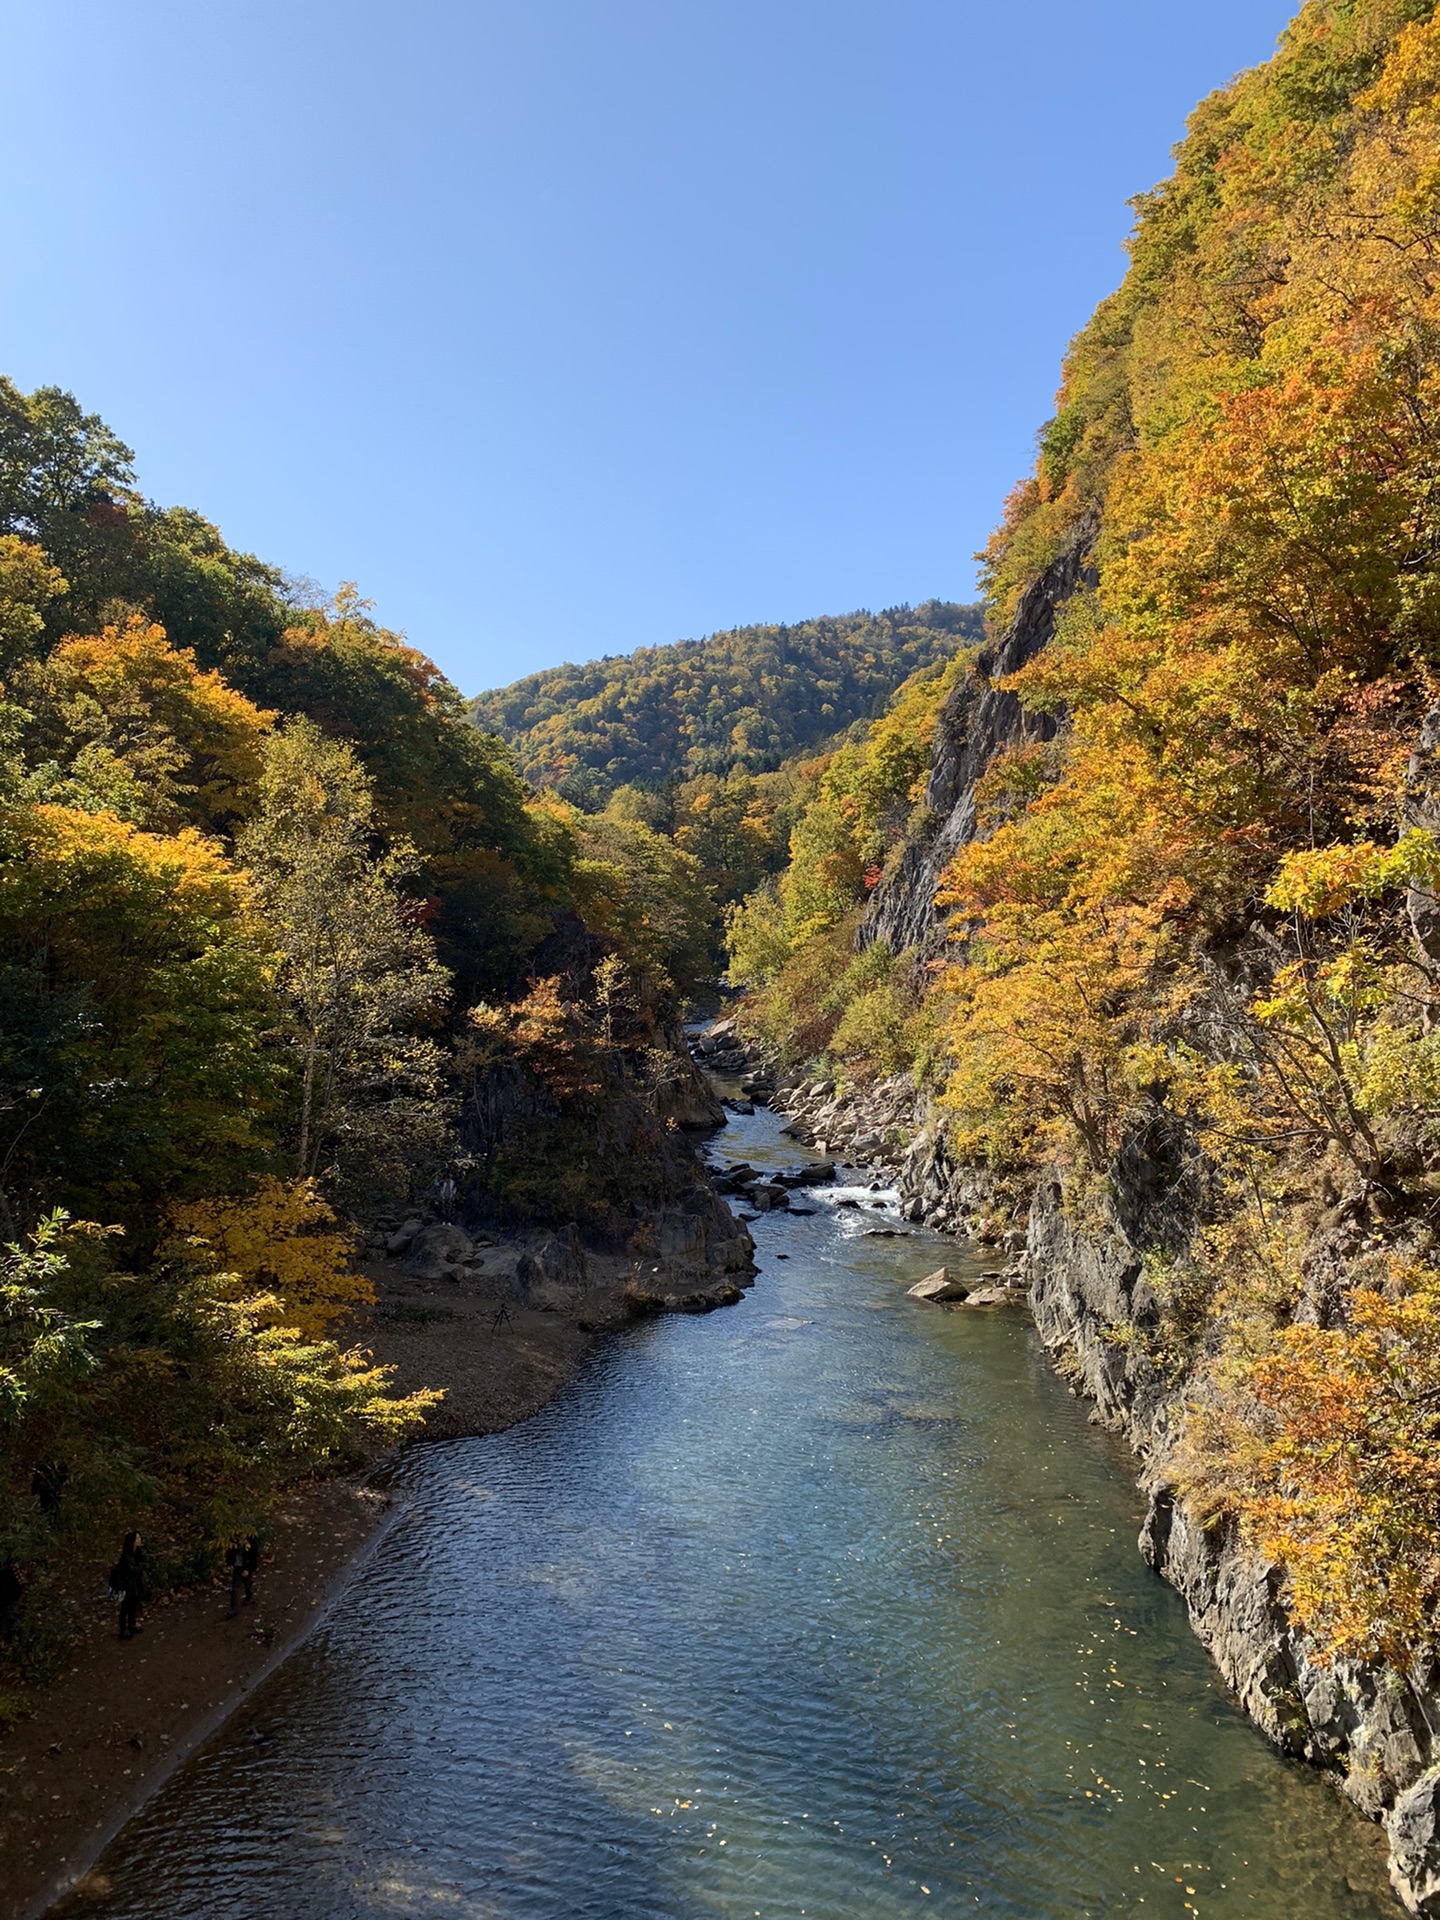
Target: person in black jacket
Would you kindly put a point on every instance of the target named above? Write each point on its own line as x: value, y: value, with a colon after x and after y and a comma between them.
x: 242, y: 1558
x: 128, y: 1580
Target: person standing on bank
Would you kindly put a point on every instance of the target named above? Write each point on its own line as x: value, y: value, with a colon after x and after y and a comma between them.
x: 127, y: 1578
x: 242, y: 1558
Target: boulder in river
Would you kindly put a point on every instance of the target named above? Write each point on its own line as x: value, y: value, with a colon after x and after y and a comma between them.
x: 996, y: 1297
x: 766, y: 1195
x: 819, y: 1174
x: 719, y: 1036
x: 939, y: 1288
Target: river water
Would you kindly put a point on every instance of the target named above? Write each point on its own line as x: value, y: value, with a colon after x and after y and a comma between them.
x: 827, y: 1604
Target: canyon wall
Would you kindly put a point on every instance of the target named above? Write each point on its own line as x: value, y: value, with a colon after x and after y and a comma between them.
x: 1375, y: 1728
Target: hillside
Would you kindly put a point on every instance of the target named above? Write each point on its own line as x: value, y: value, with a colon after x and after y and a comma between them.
x: 1144, y: 979
x: 742, y: 701
x: 282, y: 939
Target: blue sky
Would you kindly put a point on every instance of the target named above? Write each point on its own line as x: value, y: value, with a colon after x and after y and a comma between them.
x: 569, y: 326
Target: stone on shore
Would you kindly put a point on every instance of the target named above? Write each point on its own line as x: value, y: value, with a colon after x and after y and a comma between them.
x: 939, y: 1288
x: 440, y: 1252
x: 403, y: 1235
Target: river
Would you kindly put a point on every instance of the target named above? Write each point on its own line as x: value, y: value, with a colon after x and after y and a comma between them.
x: 827, y: 1604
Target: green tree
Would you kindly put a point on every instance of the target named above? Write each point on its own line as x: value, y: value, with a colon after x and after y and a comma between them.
x: 357, y: 974
x: 135, y: 1049
x: 639, y: 891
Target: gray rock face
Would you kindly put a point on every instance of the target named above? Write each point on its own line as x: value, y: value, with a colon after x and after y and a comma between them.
x: 1414, y: 1829
x: 1371, y: 1725
x: 975, y: 722
x: 685, y: 1096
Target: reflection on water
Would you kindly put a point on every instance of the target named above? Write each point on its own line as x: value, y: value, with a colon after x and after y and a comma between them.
x: 825, y: 1605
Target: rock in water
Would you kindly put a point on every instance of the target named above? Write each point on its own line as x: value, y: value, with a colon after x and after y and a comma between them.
x: 765, y: 1195
x: 818, y: 1174
x: 939, y: 1288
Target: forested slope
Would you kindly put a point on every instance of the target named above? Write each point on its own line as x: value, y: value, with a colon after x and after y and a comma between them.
x: 275, y: 917
x: 1154, y: 935
x: 739, y: 702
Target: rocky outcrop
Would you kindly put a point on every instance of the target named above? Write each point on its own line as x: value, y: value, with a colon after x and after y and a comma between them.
x: 610, y: 1165
x: 1414, y: 1828
x: 978, y: 719
x: 582, y: 1198
x: 681, y: 1093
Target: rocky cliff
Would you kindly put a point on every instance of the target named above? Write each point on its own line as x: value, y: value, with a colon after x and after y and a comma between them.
x: 606, y: 1167
x: 978, y: 719
x: 1374, y: 1728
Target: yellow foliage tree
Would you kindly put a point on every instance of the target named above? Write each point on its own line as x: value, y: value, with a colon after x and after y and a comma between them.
x: 27, y: 583
x: 137, y: 725
x: 280, y: 1240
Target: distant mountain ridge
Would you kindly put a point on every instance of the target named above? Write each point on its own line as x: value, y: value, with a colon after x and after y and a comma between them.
x: 745, y: 699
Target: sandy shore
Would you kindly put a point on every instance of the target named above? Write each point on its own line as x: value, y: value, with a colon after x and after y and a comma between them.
x: 99, y: 1742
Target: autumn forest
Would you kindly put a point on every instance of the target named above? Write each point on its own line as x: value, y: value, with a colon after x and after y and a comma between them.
x: 1125, y: 886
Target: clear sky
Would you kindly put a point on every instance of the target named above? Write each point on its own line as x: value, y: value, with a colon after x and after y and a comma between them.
x: 569, y: 326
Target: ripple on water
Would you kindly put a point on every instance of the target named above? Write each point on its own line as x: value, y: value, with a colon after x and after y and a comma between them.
x: 801, y: 1609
